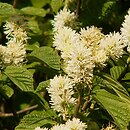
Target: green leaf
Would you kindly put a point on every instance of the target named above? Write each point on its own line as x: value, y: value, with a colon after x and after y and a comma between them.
x: 37, y: 119
x: 116, y: 71
x: 43, y: 85
x: 127, y: 77
x: 56, y: 5
x: 6, y: 91
x: 32, y: 46
x: 107, y: 8
x: 34, y: 11
x: 91, y: 125
x: 40, y: 100
x: 39, y: 3
x: 20, y: 77
x: 34, y: 27
x: 32, y: 65
x: 97, y: 80
x: 6, y: 10
x: 116, y: 86
x: 48, y: 56
x: 116, y: 107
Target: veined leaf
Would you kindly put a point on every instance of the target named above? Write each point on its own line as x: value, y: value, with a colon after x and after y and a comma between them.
x: 37, y: 119
x: 34, y: 27
x: 39, y: 3
x: 43, y: 85
x: 107, y: 8
x: 116, y: 71
x: 6, y: 91
x: 6, y: 10
x: 127, y: 77
x: 116, y: 107
x: 48, y: 56
x: 40, y: 100
x: 97, y: 80
x: 20, y: 77
x: 116, y: 86
x: 32, y: 46
x: 56, y: 5
x: 34, y: 11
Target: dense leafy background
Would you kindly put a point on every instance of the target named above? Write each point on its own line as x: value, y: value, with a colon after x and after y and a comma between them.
x: 23, y: 87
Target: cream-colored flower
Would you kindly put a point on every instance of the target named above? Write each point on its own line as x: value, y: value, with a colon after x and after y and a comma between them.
x: 109, y: 127
x: 80, y: 66
x: 2, y: 52
x: 75, y: 124
x: 100, y: 57
x: 61, y: 91
x: 59, y: 127
x: 125, y: 30
x: 91, y: 37
x: 64, y: 18
x: 128, y: 48
x: 14, y: 33
x: 15, y: 54
x: 64, y: 40
x: 15, y: 51
x: 113, y: 45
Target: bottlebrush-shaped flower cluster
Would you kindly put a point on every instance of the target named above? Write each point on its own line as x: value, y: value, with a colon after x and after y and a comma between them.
x: 74, y: 124
x: 82, y: 51
x: 14, y: 52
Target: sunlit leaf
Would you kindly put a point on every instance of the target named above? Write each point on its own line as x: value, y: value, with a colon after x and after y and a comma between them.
x: 34, y: 11
x: 37, y: 119
x: 42, y: 85
x: 34, y: 27
x: 6, y: 10
x: 56, y: 5
x: 116, y: 71
x: 20, y: 77
x: 115, y: 85
x: 127, y: 76
x: 47, y: 55
x: 6, y: 91
x: 117, y: 108
x: 39, y: 3
x: 32, y: 46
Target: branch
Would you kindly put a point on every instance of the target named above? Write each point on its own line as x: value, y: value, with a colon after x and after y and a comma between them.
x: 86, y: 103
x: 77, y: 107
x: 18, y: 112
x: 78, y: 7
x: 14, y: 3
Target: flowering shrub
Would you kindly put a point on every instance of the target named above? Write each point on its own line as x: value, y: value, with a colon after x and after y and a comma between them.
x: 64, y: 65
